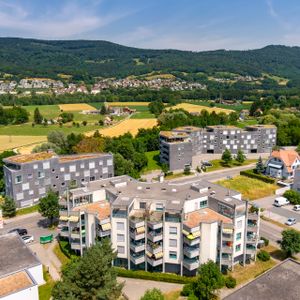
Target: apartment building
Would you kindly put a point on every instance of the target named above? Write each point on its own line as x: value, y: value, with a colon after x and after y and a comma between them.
x: 296, y: 183
x: 164, y: 227
x: 177, y: 147
x: 28, y: 177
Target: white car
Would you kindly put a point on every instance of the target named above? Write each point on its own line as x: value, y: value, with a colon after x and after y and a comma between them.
x: 291, y: 221
x: 28, y: 239
x: 296, y: 207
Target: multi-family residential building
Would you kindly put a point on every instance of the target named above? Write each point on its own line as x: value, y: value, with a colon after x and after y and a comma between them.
x: 28, y: 177
x: 283, y: 163
x: 165, y: 227
x: 20, y: 270
x: 296, y: 183
x: 177, y: 147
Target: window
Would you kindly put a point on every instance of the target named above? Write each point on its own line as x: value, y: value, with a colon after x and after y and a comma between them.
x: 92, y: 178
x: 239, y: 224
x: 67, y: 176
x: 203, y: 204
x: 46, y: 165
x: 25, y: 186
x: 238, y: 236
x: 72, y: 168
x: 42, y: 191
x: 120, y: 226
x: 121, y: 249
x: 104, y: 170
x: 142, y: 205
x: 19, y: 179
x: 173, y: 230
x: 159, y: 206
x: 109, y: 162
x: 173, y: 255
x: 41, y: 174
x: 120, y: 238
x: 29, y: 176
x: 62, y: 169
x: 238, y: 247
x: 173, y: 243
x: 19, y: 196
x: 92, y: 165
x: 35, y: 166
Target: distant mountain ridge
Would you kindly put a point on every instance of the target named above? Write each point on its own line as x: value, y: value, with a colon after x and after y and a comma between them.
x: 85, y: 59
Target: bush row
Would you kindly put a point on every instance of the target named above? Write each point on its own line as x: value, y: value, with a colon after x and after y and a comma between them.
x: 251, y: 174
x: 166, y: 277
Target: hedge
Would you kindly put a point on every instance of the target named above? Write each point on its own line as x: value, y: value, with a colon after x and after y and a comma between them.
x: 251, y: 174
x: 165, y: 277
x: 66, y: 249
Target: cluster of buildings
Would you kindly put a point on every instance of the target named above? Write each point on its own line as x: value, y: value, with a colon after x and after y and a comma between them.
x: 163, y: 227
x: 177, y: 147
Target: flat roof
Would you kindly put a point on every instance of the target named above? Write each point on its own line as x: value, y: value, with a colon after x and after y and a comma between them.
x: 281, y: 282
x: 261, y: 126
x: 15, y: 282
x: 205, y: 215
x: 173, y: 134
x: 100, y: 208
x: 67, y: 158
x: 25, y: 158
x: 188, y: 128
x: 15, y: 255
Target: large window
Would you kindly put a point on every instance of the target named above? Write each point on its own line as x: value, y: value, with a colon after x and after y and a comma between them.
x: 173, y: 243
x: 41, y: 174
x: 120, y: 226
x: 159, y: 206
x: 225, y: 210
x: 173, y: 255
x: 142, y: 205
x: 238, y: 236
x: 203, y: 204
x: 19, y: 179
x: 120, y: 238
x: 173, y: 230
x: 238, y: 247
x: 121, y: 249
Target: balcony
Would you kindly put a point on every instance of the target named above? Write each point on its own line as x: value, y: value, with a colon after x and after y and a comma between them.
x: 154, y: 236
x: 104, y: 233
x: 193, y: 242
x: 75, y: 245
x: 135, y: 223
x: 227, y: 236
x: 251, y: 238
x: 136, y: 235
x: 154, y: 262
x: 227, y: 249
x: 137, y: 247
x: 191, y: 252
x: 226, y: 260
x: 253, y: 217
x: 154, y: 249
x: 64, y: 232
x: 137, y: 259
x: 191, y: 263
x: 154, y: 225
x: 75, y: 234
x: 250, y: 249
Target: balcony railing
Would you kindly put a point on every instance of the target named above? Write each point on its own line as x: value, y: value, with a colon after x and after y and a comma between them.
x: 75, y: 245
x: 191, y: 242
x: 155, y: 236
x: 154, y: 262
x: 154, y: 225
x: 154, y: 249
x: 137, y: 247
x: 137, y: 236
x: 137, y: 259
x: 135, y: 223
x: 191, y: 252
x: 227, y: 249
x: 190, y: 263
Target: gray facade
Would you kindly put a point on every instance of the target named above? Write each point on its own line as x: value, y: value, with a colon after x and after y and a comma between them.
x: 296, y: 183
x: 29, y: 177
x: 214, y: 140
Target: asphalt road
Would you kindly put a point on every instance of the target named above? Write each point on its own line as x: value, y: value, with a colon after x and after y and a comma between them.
x: 270, y: 231
x: 35, y: 224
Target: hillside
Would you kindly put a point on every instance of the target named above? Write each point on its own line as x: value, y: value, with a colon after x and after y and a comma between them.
x: 86, y: 59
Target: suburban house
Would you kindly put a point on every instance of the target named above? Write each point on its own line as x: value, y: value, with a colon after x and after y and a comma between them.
x: 20, y: 270
x: 282, y: 164
x: 161, y: 227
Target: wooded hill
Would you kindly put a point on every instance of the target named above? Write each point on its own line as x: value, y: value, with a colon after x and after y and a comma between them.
x: 86, y: 59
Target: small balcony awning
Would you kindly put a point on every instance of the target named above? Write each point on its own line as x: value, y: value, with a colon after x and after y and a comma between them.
x: 63, y: 218
x: 158, y: 255
x: 140, y: 230
x: 227, y: 230
x: 106, y: 226
x: 193, y: 235
x: 149, y: 254
x: 274, y: 166
x: 186, y: 233
x: 73, y: 219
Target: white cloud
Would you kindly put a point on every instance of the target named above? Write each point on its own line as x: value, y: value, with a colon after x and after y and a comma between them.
x: 71, y: 20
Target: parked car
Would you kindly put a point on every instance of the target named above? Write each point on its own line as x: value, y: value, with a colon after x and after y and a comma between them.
x: 290, y: 221
x: 206, y: 163
x: 27, y: 239
x: 20, y: 231
x: 296, y: 207
x: 280, y: 201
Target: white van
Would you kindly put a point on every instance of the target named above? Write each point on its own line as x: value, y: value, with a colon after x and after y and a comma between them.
x: 280, y: 201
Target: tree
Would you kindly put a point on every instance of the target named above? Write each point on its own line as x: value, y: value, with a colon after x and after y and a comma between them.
x: 292, y: 196
x: 90, y: 145
x: 103, y: 110
x: 90, y: 277
x: 260, y: 167
x: 290, y: 243
x: 154, y: 294
x: 298, y: 148
x: 187, y: 170
x: 96, y: 134
x: 227, y: 157
x: 209, y: 280
x: 38, y: 118
x: 9, y: 207
x: 156, y: 107
x: 84, y: 123
x: 49, y: 207
x: 59, y: 139
x: 240, y: 157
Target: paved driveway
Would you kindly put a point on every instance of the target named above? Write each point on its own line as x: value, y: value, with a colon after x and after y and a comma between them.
x: 134, y: 289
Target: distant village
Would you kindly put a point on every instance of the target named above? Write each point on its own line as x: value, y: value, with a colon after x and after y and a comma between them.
x: 45, y: 85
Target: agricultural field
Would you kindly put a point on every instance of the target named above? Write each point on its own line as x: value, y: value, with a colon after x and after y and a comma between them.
x: 236, y: 107
x: 128, y: 125
x: 76, y: 107
x: 129, y: 104
x: 10, y: 142
x: 192, y: 108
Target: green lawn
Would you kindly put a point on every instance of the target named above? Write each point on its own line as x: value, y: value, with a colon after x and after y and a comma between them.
x: 143, y: 115
x: 237, y: 107
x: 217, y: 164
x: 27, y: 210
x: 250, y: 188
x: 153, y: 161
x: 45, y: 289
x: 47, y: 111
x: 247, y: 123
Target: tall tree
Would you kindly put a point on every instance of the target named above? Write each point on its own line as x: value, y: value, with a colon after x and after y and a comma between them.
x: 38, y: 118
x: 154, y: 294
x: 90, y: 277
x: 9, y: 207
x: 260, y: 168
x: 290, y: 241
x: 227, y: 157
x: 49, y: 207
x: 240, y: 157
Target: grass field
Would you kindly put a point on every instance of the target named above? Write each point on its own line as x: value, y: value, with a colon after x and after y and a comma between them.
x: 193, y: 108
x: 11, y: 142
x: 250, y: 188
x: 153, y: 161
x: 76, y: 107
x: 217, y: 164
x: 129, y: 104
x: 45, y: 289
x: 236, y: 107
x: 47, y: 111
x: 128, y: 125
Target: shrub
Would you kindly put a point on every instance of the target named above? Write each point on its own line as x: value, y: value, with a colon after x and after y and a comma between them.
x: 292, y: 196
x: 251, y: 174
x: 263, y: 255
x: 187, y: 290
x: 165, y: 277
x: 230, y: 282
x: 265, y: 240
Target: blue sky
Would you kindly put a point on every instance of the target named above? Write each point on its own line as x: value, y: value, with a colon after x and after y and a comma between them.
x: 181, y: 24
